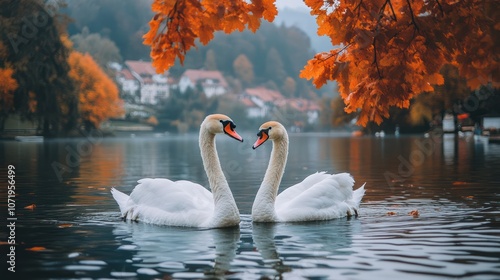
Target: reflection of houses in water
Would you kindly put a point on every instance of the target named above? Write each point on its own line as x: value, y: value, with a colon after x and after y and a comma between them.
x: 449, y: 148
x: 460, y: 152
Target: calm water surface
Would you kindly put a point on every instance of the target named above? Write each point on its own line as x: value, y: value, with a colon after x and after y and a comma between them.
x: 75, y: 230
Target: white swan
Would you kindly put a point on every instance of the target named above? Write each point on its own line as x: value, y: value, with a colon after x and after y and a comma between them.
x: 184, y: 203
x: 320, y: 196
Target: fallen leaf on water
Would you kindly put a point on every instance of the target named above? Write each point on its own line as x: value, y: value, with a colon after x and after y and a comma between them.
x: 65, y: 225
x: 36, y: 248
x: 468, y: 197
x: 414, y: 213
x: 30, y: 207
x: 457, y: 183
x: 391, y: 213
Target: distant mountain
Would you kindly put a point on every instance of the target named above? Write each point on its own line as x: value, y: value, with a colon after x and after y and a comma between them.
x: 307, y: 23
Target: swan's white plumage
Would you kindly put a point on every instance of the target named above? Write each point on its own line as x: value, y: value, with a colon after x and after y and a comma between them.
x: 329, y: 197
x: 184, y: 203
x: 320, y: 196
x: 165, y: 202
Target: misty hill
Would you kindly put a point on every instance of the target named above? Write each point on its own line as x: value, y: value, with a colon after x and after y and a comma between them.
x: 307, y: 23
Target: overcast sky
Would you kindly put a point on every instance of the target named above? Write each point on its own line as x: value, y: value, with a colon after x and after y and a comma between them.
x: 292, y: 4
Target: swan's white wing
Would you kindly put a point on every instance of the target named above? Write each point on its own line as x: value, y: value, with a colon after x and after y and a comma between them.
x: 357, y: 195
x: 328, y: 199
x: 162, y: 201
x: 295, y: 190
x: 122, y: 200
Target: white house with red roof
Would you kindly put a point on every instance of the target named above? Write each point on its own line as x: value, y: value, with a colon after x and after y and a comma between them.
x: 260, y: 101
x: 139, y: 78
x: 212, y: 82
x: 253, y: 110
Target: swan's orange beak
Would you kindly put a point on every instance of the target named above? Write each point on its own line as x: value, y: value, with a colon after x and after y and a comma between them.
x: 229, y: 130
x: 263, y: 136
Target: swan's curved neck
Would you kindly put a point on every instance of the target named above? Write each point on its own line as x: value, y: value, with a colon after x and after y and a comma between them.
x: 225, y: 209
x: 263, y: 207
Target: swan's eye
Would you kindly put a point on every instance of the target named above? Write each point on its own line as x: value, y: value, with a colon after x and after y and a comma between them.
x: 269, y: 128
x: 263, y: 132
x: 225, y: 123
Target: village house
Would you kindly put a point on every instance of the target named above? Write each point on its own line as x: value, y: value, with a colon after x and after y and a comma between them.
x: 259, y: 101
x: 129, y: 85
x: 140, y: 82
x: 308, y: 107
x: 212, y: 83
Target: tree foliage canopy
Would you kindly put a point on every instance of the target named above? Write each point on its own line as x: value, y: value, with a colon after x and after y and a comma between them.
x: 41, y: 79
x: 388, y: 51
x: 177, y: 24
x: 32, y: 48
x: 98, y: 95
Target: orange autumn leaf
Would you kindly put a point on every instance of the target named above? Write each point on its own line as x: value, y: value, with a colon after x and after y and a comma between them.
x: 414, y: 213
x: 64, y: 225
x: 391, y: 213
x: 30, y: 207
x: 458, y: 183
x: 36, y: 248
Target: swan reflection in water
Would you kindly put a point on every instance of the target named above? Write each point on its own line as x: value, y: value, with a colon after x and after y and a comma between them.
x: 177, y: 249
x: 288, y: 246
x: 263, y: 238
x: 275, y: 249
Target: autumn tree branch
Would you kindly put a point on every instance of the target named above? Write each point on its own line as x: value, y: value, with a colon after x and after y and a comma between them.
x: 358, y: 7
x: 440, y: 7
x: 413, y: 20
x: 336, y: 53
x: 392, y: 10
x: 375, y: 61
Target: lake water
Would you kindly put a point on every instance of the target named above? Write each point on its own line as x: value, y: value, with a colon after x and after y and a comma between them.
x: 73, y: 231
